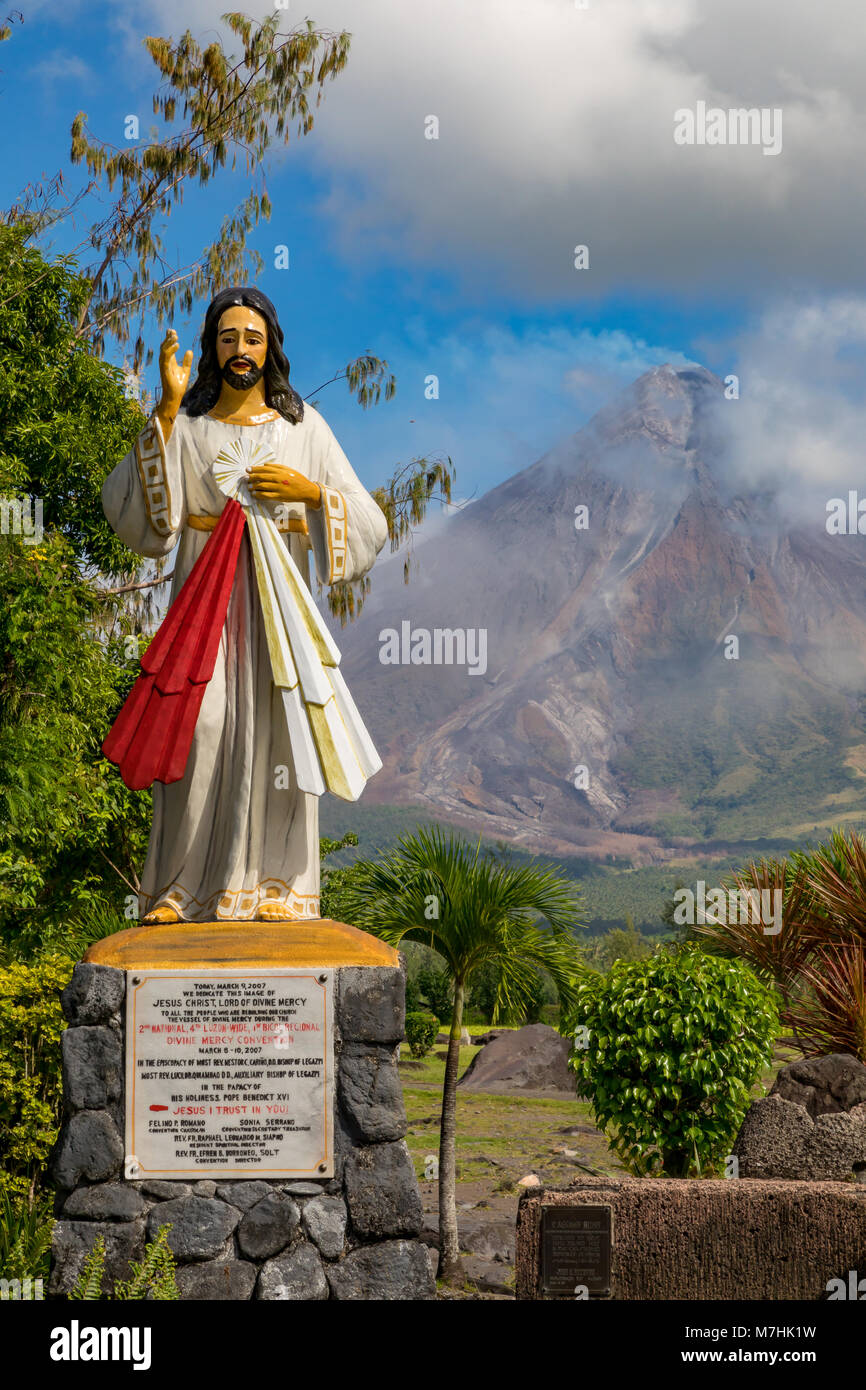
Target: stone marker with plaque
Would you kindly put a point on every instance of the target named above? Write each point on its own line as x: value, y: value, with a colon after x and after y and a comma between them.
x: 252, y: 1104
x: 681, y: 1239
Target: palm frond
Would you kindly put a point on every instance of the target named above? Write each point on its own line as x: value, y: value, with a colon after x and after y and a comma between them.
x: 830, y: 1014
x: 437, y: 889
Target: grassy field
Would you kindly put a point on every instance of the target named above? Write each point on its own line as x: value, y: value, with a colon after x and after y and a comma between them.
x: 518, y: 1132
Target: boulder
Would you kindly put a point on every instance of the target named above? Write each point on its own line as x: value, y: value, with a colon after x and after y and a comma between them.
x: 489, y: 1240
x: 488, y: 1276
x: 200, y: 1226
x: 72, y: 1242
x: 382, y: 1191
x: 297, y: 1276
x: 371, y: 1003
x: 166, y: 1189
x: 325, y: 1220
x: 534, y: 1058
x: 92, y: 1067
x: 773, y: 1139
x: 112, y: 1201
x: 88, y: 1149
x: 217, y: 1281
x: 268, y: 1227
x: 396, y: 1269
x: 823, y: 1085
x: 304, y: 1189
x: 370, y: 1092
x: 243, y: 1194
x: 94, y: 994
x: 812, y: 1125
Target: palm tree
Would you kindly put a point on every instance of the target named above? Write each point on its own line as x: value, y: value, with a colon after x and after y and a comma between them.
x: 437, y: 890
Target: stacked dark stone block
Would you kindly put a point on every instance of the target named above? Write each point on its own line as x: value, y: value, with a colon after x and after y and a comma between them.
x: 353, y: 1236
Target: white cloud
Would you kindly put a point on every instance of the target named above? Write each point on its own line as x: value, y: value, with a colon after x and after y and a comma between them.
x: 61, y: 67
x: 556, y: 128
x: 799, y: 426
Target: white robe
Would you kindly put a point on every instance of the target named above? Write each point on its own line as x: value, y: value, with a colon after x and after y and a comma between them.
x: 236, y: 831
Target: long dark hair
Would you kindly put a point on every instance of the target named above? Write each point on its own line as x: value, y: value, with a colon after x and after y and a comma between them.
x: 203, y: 395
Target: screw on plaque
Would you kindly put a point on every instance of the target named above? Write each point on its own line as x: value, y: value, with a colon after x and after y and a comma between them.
x: 323, y: 1167
x: 323, y: 979
x: 136, y: 979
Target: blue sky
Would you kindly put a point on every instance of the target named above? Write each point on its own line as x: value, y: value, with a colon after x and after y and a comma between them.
x: 454, y: 256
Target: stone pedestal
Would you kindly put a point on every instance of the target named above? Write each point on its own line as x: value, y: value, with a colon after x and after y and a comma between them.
x: 350, y: 1236
x: 695, y: 1239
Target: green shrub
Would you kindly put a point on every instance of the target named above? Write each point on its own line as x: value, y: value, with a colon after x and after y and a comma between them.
x: 31, y: 1022
x: 25, y: 1236
x: 669, y: 1050
x: 421, y: 1032
x: 152, y: 1278
x: 622, y: 943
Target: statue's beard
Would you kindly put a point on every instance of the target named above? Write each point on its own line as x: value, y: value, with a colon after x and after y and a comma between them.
x: 242, y: 381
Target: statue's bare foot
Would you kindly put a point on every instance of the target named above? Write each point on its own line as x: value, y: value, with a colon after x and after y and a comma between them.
x: 275, y: 912
x: 160, y: 914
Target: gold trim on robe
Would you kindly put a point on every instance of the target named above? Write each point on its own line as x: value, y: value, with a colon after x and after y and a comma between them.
x: 294, y: 524
x: 150, y: 458
x: 334, y: 516
x: 235, y: 904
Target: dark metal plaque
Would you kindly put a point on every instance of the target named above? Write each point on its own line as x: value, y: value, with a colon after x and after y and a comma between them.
x: 575, y: 1250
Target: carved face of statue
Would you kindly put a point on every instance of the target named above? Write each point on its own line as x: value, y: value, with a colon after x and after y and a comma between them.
x: 241, y: 323
x: 242, y: 347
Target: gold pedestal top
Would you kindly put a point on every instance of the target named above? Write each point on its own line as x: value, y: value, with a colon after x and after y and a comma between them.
x: 238, y: 945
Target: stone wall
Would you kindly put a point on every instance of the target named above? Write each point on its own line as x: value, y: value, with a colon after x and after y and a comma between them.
x: 353, y: 1236
x: 711, y: 1238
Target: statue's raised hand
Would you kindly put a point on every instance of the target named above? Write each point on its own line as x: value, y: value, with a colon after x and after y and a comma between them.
x: 174, y: 376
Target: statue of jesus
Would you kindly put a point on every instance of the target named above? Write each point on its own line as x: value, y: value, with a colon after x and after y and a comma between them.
x: 240, y: 718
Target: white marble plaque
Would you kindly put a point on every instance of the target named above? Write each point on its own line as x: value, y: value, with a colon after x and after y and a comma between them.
x: 229, y: 1074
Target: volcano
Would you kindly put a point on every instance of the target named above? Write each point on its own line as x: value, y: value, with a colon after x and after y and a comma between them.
x: 666, y: 661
